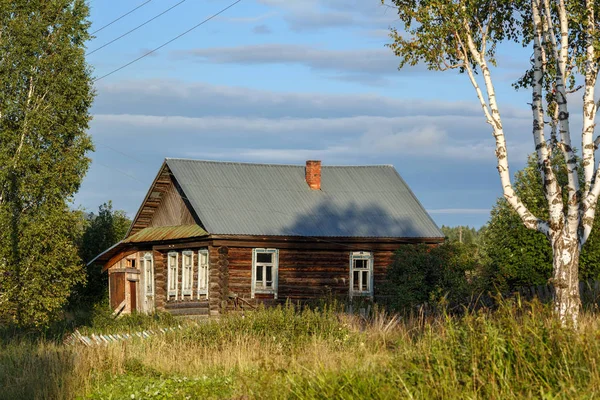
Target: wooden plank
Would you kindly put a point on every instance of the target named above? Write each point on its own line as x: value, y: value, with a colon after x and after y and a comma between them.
x: 186, y: 304
x: 190, y: 311
x: 133, y: 295
x: 117, y: 289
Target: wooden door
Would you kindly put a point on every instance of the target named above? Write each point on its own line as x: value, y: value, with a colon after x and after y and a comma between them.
x: 133, y: 295
x: 117, y: 289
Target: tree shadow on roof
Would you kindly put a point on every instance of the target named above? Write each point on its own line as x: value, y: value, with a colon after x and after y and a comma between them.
x: 329, y: 220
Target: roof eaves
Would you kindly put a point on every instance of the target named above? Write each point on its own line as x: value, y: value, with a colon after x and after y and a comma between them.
x: 145, y: 198
x: 104, y: 252
x: 418, y: 202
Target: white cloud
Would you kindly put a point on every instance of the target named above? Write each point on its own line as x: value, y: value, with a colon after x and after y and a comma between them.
x: 439, y: 147
x: 311, y: 15
x: 355, y: 62
x: 172, y: 97
x: 267, y: 126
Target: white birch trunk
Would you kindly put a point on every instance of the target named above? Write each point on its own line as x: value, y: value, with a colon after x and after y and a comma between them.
x: 565, y: 277
x: 569, y: 224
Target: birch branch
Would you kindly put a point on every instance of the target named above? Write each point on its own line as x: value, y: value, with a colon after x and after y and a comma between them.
x: 589, y: 105
x: 589, y: 208
x: 492, y: 113
x: 561, y: 56
x: 24, y: 128
x: 552, y: 189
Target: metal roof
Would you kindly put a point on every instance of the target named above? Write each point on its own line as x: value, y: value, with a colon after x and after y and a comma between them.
x: 267, y: 199
x: 151, y: 235
x: 166, y: 233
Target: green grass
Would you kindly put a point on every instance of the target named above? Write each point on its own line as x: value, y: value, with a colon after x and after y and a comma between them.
x: 518, y: 351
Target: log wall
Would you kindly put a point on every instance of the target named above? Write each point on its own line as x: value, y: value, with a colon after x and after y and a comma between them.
x: 303, y: 274
x: 186, y: 305
x: 218, y: 288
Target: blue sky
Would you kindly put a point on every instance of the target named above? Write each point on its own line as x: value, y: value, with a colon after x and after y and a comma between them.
x: 284, y: 81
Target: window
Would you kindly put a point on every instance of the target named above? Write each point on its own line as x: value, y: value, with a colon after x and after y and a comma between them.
x: 173, y: 259
x: 361, y: 273
x: 147, y: 264
x: 187, y: 273
x: 264, y: 271
x: 203, y: 273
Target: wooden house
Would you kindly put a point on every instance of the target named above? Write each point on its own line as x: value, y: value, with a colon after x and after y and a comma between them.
x: 210, y: 236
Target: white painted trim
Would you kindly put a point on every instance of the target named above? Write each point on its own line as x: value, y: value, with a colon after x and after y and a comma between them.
x: 203, y: 290
x: 144, y: 260
x: 184, y: 276
x: 170, y: 277
x: 361, y: 255
x: 274, y: 272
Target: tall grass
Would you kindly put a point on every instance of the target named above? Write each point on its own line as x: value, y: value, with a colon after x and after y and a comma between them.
x: 517, y: 351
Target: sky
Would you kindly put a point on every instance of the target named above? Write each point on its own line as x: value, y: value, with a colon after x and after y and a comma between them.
x: 284, y: 81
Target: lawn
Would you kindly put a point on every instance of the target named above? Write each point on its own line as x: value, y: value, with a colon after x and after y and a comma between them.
x: 515, y: 352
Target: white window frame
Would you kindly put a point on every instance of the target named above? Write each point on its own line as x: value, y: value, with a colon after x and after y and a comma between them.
x: 361, y: 255
x: 172, y: 274
x: 187, y: 287
x: 203, y: 273
x: 274, y: 272
x: 147, y: 262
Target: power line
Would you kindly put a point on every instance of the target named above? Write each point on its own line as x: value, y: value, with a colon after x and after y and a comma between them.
x: 169, y: 42
x: 136, y: 28
x: 121, y: 17
x: 122, y: 153
x: 120, y: 171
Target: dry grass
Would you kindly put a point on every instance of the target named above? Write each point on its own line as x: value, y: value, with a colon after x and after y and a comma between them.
x: 515, y: 352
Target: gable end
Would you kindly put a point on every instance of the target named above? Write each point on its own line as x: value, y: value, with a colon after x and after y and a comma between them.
x: 164, y: 205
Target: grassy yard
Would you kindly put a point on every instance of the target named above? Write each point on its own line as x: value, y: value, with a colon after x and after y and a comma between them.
x: 513, y: 353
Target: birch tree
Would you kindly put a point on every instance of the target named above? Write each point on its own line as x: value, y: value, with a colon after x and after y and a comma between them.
x: 563, y: 37
x: 45, y: 96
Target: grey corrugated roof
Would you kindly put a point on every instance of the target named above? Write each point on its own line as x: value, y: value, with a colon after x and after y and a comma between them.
x: 267, y: 199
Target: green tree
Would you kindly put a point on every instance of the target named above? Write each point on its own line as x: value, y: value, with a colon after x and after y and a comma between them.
x: 427, y: 274
x: 522, y: 257
x: 101, y: 232
x: 45, y: 95
x: 461, y: 234
x: 563, y: 35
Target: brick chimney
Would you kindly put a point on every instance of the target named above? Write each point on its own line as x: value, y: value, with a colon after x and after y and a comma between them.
x: 313, y: 174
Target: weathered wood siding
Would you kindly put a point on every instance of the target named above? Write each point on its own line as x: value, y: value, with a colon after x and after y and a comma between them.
x: 187, y: 305
x: 117, y: 288
x: 163, y: 206
x: 172, y: 210
x: 218, y: 286
x: 160, y: 280
x: 304, y: 274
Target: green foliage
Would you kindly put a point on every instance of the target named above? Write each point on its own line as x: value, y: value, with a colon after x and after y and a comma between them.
x: 434, y: 30
x: 287, y: 325
x: 102, y: 231
x: 518, y: 351
x: 138, y: 385
x: 45, y: 96
x: 102, y: 320
x: 429, y: 274
x: 461, y: 234
x: 522, y: 257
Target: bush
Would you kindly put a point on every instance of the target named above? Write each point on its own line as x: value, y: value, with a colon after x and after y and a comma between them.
x: 422, y: 274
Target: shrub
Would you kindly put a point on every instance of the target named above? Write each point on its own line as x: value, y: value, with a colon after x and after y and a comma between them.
x: 422, y: 274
